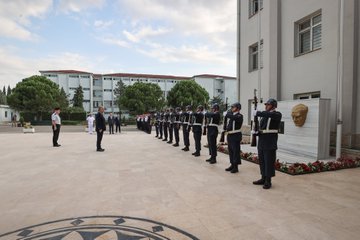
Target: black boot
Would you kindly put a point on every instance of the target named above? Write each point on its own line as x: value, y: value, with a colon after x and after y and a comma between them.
x: 186, y: 149
x: 235, y: 169
x: 213, y: 161
x: 208, y: 160
x: 176, y: 144
x: 267, y: 183
x: 229, y: 168
x: 260, y: 181
x: 196, y: 154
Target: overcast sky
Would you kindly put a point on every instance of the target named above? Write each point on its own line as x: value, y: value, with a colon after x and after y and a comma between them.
x: 176, y: 37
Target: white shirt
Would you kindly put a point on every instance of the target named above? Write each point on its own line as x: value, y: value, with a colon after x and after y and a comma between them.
x: 56, y: 118
x: 90, y: 120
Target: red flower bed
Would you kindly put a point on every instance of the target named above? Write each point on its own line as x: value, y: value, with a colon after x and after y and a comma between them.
x: 301, y: 168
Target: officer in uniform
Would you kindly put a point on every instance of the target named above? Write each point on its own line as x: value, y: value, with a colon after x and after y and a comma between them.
x: 267, y: 144
x: 171, y: 125
x: 213, y: 120
x: 161, y: 123
x: 177, y: 124
x: 100, y: 128
x: 198, y: 118
x: 165, y: 125
x: 234, y: 136
x: 186, y: 123
x: 156, y: 123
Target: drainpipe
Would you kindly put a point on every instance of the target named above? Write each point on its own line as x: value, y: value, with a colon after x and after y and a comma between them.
x: 340, y: 77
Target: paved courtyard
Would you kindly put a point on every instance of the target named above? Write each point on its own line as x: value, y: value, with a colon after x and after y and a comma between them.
x: 143, y: 188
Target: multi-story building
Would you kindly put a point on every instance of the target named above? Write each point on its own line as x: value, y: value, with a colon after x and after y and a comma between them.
x: 299, y: 48
x: 99, y: 88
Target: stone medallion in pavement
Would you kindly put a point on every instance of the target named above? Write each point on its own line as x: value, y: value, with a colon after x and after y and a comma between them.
x: 99, y: 227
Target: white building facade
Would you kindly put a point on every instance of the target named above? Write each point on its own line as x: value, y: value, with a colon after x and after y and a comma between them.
x: 299, y: 55
x: 99, y: 88
x: 6, y: 114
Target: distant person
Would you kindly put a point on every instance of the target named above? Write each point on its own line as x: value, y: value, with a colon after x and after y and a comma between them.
x: 111, y: 122
x: 100, y: 128
x: 13, y: 121
x: 117, y: 124
x: 90, y: 120
x: 56, y: 124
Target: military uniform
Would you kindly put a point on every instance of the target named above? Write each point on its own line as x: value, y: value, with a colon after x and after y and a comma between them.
x: 186, y: 123
x: 198, y: 118
x: 100, y: 128
x: 176, y: 127
x: 165, y: 125
x: 234, y: 136
x: 161, y: 119
x: 213, y: 120
x: 267, y: 144
x: 171, y: 125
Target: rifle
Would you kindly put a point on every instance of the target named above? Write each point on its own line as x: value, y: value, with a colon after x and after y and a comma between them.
x: 222, y: 137
x: 205, y: 124
x: 254, y: 123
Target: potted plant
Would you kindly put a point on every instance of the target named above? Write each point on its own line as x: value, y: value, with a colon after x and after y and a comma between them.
x: 28, y: 128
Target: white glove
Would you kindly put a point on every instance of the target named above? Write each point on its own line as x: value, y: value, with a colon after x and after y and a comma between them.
x: 224, y: 113
x: 253, y: 113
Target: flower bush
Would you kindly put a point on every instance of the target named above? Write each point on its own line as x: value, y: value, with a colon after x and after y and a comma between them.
x: 301, y: 168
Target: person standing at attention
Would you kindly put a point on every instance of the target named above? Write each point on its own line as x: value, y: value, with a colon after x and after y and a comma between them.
x: 111, y: 123
x: 90, y: 120
x: 267, y: 144
x: 100, y: 128
x: 56, y: 123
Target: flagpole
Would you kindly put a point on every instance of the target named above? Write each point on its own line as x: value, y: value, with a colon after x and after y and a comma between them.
x: 259, y: 46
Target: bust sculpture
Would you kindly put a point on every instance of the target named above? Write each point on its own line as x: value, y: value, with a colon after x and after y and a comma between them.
x: 299, y: 114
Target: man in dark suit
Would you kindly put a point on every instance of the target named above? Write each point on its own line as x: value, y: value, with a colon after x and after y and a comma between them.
x: 100, y: 128
x: 176, y: 126
x: 267, y: 144
x: 234, y: 136
x: 213, y: 120
x: 111, y: 122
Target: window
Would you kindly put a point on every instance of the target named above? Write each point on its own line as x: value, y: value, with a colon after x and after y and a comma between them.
x: 108, y: 104
x: 308, y: 34
x: 97, y: 82
x: 254, y: 6
x: 97, y: 93
x: 73, y: 76
x: 85, y: 76
x: 107, y: 90
x: 253, y: 56
x: 307, y: 95
x: 107, y: 78
x: 86, y: 89
x: 6, y: 114
x: 96, y: 104
x: 72, y: 88
x: 51, y: 75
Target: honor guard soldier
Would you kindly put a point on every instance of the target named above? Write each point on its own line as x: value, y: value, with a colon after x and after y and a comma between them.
x: 161, y: 123
x: 156, y: 124
x: 198, y: 118
x: 165, y: 125
x: 213, y: 120
x: 234, y: 136
x: 186, y: 123
x: 171, y: 125
x: 267, y: 144
x: 177, y: 124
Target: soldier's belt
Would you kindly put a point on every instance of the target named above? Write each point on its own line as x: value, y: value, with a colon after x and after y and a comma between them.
x: 234, y: 131
x: 177, y: 122
x: 269, y: 131
x: 197, y: 124
x: 213, y: 125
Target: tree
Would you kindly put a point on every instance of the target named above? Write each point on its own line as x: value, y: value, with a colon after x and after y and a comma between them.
x: 4, y: 90
x: 223, y: 106
x: 187, y: 92
x: 78, y: 97
x: 142, y: 97
x: 2, y: 97
x: 63, y: 99
x: 119, y: 91
x: 8, y: 91
x: 35, y: 94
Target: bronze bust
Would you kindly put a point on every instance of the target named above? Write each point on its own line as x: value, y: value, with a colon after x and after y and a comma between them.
x: 299, y: 114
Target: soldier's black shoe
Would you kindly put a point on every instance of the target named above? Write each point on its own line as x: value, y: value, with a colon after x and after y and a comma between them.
x: 235, y: 169
x: 259, y: 182
x: 208, y: 160
x: 169, y: 142
x: 155, y: 136
x: 267, y: 183
x: 213, y: 161
x: 186, y: 149
x: 176, y: 145
x: 229, y: 168
x: 197, y: 154
x: 57, y: 145
x: 100, y: 150
x: 165, y: 140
